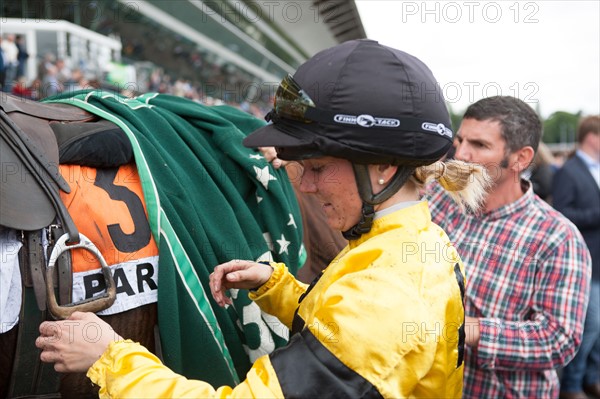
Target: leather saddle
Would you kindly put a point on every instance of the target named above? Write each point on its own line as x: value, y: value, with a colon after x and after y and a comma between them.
x: 30, y: 198
x: 29, y: 156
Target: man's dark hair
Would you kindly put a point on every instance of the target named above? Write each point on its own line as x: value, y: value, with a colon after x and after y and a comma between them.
x: 589, y: 125
x: 520, y: 124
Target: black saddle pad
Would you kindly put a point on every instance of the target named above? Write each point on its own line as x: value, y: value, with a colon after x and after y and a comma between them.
x: 100, y: 144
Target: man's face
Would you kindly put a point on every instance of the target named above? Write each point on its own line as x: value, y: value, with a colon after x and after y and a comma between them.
x: 482, y: 142
x: 594, y: 143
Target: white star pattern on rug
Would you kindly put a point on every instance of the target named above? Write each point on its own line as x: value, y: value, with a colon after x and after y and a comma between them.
x: 269, y: 241
x: 263, y: 176
x: 292, y: 222
x: 301, y: 250
x: 283, y: 244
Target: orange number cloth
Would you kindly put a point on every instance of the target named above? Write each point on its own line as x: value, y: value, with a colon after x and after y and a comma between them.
x: 107, y: 206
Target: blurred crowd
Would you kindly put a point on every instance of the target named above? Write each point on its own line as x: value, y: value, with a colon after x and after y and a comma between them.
x: 55, y: 75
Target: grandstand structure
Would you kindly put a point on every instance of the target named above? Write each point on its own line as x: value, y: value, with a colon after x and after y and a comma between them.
x: 64, y: 40
x: 219, y: 46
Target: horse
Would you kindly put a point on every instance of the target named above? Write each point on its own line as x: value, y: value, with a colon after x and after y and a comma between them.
x: 105, y: 196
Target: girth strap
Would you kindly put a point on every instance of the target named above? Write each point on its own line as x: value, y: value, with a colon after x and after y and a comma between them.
x: 34, y: 274
x: 29, y: 375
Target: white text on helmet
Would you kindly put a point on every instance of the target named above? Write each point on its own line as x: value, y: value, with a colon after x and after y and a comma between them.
x: 438, y: 128
x: 366, y: 120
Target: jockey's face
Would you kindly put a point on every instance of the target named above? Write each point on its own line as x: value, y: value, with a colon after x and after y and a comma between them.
x: 332, y: 181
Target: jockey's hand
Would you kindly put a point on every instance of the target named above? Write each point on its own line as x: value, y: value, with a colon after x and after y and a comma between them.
x: 271, y: 156
x: 237, y: 274
x: 74, y: 344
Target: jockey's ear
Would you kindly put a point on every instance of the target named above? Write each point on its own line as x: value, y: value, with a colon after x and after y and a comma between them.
x: 381, y: 175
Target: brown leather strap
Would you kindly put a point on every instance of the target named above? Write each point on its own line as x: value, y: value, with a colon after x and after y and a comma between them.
x: 29, y: 375
x: 34, y: 265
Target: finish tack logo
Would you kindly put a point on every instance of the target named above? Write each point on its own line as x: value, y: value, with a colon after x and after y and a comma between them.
x: 366, y: 120
x: 438, y: 128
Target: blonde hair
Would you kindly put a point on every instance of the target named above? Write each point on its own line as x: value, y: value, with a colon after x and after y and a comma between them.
x: 465, y: 182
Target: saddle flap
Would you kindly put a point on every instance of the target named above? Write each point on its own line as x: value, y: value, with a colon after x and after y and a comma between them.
x: 40, y: 139
x: 30, y: 145
x: 26, y: 125
x: 24, y: 205
x: 28, y: 159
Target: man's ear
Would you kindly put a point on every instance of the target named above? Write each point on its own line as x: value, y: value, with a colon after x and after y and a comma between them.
x: 522, y: 158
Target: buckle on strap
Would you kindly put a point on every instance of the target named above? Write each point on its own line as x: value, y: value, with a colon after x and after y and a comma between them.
x: 94, y: 304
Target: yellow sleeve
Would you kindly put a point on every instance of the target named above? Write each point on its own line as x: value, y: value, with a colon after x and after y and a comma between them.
x: 128, y: 370
x: 279, y: 296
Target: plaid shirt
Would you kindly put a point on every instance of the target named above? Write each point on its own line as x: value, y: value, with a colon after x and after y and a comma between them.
x: 528, y: 273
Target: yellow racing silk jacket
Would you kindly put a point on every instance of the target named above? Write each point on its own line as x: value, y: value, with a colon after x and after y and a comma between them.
x: 385, y: 319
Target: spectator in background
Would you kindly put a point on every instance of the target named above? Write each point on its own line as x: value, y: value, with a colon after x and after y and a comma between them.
x: 2, y: 69
x: 576, y: 193
x: 21, y: 89
x: 9, y: 47
x: 36, y: 89
x: 22, y: 56
x: 45, y: 65
x: 527, y: 266
x: 541, y: 172
x: 63, y: 72
x: 50, y: 84
x: 78, y: 81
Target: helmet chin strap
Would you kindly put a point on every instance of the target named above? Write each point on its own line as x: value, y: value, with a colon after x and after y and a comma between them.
x: 364, y: 224
x: 365, y: 190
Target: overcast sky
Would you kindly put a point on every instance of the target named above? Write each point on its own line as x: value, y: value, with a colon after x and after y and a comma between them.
x: 545, y: 52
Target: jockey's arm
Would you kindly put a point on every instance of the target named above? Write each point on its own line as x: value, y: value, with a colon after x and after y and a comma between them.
x: 277, y: 296
x: 128, y: 370
x: 123, y: 368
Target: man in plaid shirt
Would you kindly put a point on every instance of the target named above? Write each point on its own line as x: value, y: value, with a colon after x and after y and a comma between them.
x: 528, y: 269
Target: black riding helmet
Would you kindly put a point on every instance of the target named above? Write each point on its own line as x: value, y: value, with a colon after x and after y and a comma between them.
x: 364, y: 102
